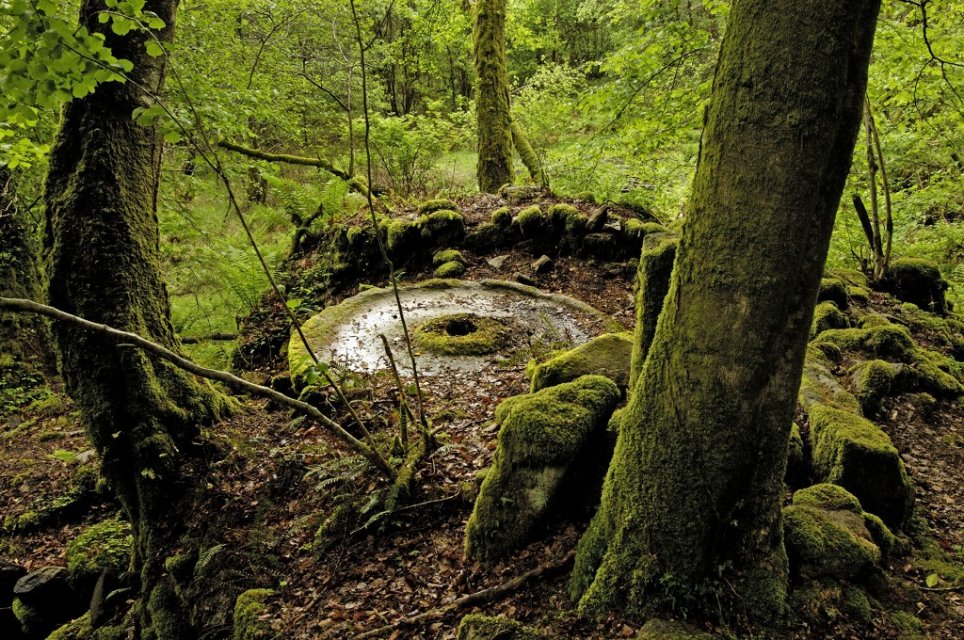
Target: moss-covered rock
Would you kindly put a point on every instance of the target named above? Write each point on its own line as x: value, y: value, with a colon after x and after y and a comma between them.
x: 819, y: 385
x: 542, y: 447
x: 501, y: 217
x: 78, y: 629
x: 652, y: 284
x: 401, y: 239
x: 835, y: 290
x: 443, y: 228
x: 918, y: 281
x: 438, y: 204
x: 476, y: 626
x: 884, y: 341
x: 946, y: 332
x: 530, y: 221
x: 248, y: 611
x: 824, y: 542
x: 486, y: 236
x: 447, y: 255
x: 828, y: 316
x: 105, y: 546
x: 671, y: 630
x: 828, y: 496
x: 32, y: 621
x: 874, y: 381
x: 606, y: 355
x: 452, y: 269
x: 463, y: 334
x: 852, y: 452
x: 798, y: 466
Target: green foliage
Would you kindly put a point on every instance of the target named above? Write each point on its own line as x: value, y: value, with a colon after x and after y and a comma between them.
x: 105, y: 546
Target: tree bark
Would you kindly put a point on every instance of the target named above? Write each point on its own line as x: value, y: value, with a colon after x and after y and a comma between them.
x: 143, y: 416
x: 492, y: 97
x: 690, y: 512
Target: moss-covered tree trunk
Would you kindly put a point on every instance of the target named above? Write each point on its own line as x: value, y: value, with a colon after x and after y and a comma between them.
x: 492, y: 96
x: 142, y: 415
x: 24, y: 340
x: 690, y: 512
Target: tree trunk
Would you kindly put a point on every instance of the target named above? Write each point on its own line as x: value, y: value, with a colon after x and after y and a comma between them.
x: 492, y: 97
x: 690, y: 513
x: 24, y: 340
x: 142, y: 415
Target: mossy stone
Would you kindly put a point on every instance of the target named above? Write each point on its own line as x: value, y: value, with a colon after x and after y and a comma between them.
x: 486, y: 236
x: 828, y: 496
x: 442, y: 228
x: 607, y: 355
x: 657, y: 629
x: 452, y: 269
x: 105, y: 546
x: 874, y: 381
x: 827, y: 316
x: 438, y: 204
x: 501, y: 217
x: 653, y: 275
x: 824, y: 542
x: 544, y: 438
x: 884, y: 341
x: 447, y: 255
x: 402, y: 239
x: 918, y: 281
x: 530, y: 221
x: 32, y: 622
x: 78, y: 629
x: 463, y: 334
x: 248, y: 609
x: 834, y: 289
x: 476, y: 626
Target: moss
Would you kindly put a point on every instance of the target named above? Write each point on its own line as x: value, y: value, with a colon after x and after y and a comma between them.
x: 873, y: 381
x: 447, y: 255
x: 835, y: 290
x: 822, y: 542
x: 797, y: 464
x: 858, y: 294
x: 881, y: 534
x: 452, y: 269
x: 820, y: 387
x: 442, y: 228
x: 909, y: 626
x: 851, y: 451
x: 560, y: 215
x: 857, y: 604
x: 946, y: 332
x: 542, y: 435
x: 637, y: 229
x: 827, y: 316
x: 476, y: 626
x: 31, y: 621
x: 530, y: 221
x: 486, y: 236
x: 671, y: 630
x: 465, y: 334
x: 652, y: 285
x: 438, y: 204
x: 105, y: 546
x: 402, y: 238
x: 168, y: 620
x: 494, y: 122
x: 501, y: 217
x: 918, y: 281
x: 884, y: 341
x: 828, y: 496
x: 248, y: 609
x: 78, y: 629
x: 607, y: 355
x: 924, y: 375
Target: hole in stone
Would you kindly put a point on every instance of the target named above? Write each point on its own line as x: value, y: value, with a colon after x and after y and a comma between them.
x: 460, y: 327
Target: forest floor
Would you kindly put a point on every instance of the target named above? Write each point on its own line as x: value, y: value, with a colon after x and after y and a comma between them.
x: 275, y: 479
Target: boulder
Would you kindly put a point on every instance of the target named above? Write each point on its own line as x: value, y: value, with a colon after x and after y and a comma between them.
x: 476, y: 626
x: 827, y: 316
x: 918, y: 281
x: 543, y: 265
x: 835, y: 290
x: 606, y: 355
x: 657, y: 629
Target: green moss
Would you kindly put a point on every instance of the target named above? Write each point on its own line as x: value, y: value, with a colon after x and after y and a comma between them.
x: 486, y: 236
x: 78, y: 629
x: 447, y: 255
x: 438, y: 204
x: 881, y: 534
x: 827, y: 316
x: 105, y: 546
x: 31, y: 621
x: 476, y: 626
x: 821, y: 542
x: 885, y: 341
x: 637, y: 229
x: 653, y: 275
x: 561, y: 212
x: 857, y: 604
x: 606, y: 355
x: 927, y: 376
x: 671, y: 630
x: 946, y: 332
x: 452, y: 269
x: 248, y: 609
x: 873, y: 381
x: 858, y: 294
x: 168, y: 620
x: 820, y: 387
x: 501, y: 217
x: 402, y: 238
x: 542, y: 435
x: 797, y: 464
x: 851, y: 451
x: 828, y: 496
x: 465, y: 334
x: 530, y: 221
x: 909, y: 626
x: 442, y: 228
x: 834, y: 289
x: 494, y: 122
x: 918, y: 281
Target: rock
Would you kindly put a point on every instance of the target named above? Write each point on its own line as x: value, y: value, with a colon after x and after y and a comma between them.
x: 530, y: 222
x: 497, y: 262
x: 597, y: 219
x: 523, y: 279
x: 798, y: 467
x: 501, y: 217
x: 827, y: 316
x: 485, y: 236
x: 601, y: 245
x: 543, y: 265
x: 873, y: 381
x: 10, y: 574
x: 439, y: 204
x: 883, y: 341
x: 552, y: 453
x: 452, y: 269
x: 443, y: 228
x: 44, y: 601
x: 919, y: 282
x: 447, y: 255
x: 656, y: 629
x: 476, y: 626
x: 517, y: 194
x: 606, y: 355
x: 85, y: 456
x: 835, y: 290
x: 43, y: 583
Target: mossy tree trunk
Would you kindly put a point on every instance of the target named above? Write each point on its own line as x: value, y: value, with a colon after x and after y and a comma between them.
x: 690, y: 512
x: 492, y: 96
x: 142, y: 415
x: 24, y: 340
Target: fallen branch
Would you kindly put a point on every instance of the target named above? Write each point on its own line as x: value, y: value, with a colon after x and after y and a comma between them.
x: 353, y: 181
x: 217, y: 335
x: 127, y: 338
x: 479, y: 597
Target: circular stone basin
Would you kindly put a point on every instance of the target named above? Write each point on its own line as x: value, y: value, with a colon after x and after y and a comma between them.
x: 454, y: 324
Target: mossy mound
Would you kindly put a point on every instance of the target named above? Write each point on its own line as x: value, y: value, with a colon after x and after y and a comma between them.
x: 462, y: 334
x: 447, y: 255
x: 476, y: 626
x: 827, y: 542
x: 873, y: 381
x: 530, y: 221
x: 883, y: 341
x: 501, y: 217
x: 438, y: 204
x: 606, y: 355
x: 548, y: 440
x: 828, y: 316
x: 105, y: 546
x: 671, y: 630
x: 834, y: 290
x: 452, y: 269
x: 442, y: 228
x: 80, y: 629
x: 828, y: 496
x: 918, y: 281
x: 248, y: 611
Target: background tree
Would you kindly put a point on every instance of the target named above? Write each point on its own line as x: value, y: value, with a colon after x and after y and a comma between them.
x: 492, y: 97
x: 143, y: 416
x: 692, y: 498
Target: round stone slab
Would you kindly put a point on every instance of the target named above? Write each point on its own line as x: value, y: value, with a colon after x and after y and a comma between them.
x: 348, y: 334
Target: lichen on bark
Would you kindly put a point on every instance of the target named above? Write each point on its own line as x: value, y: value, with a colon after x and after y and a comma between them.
x: 492, y: 97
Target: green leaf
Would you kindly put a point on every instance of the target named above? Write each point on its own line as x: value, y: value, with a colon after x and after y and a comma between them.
x: 932, y: 580
x: 154, y: 49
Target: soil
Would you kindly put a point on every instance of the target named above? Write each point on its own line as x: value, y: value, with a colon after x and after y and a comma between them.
x: 276, y: 478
